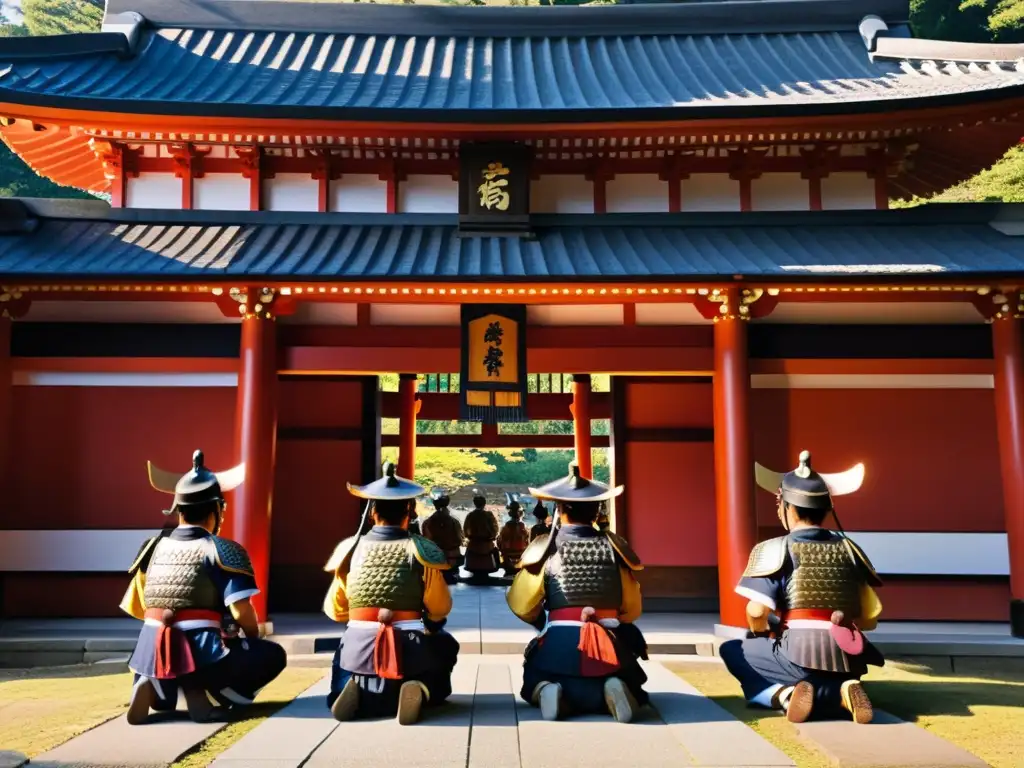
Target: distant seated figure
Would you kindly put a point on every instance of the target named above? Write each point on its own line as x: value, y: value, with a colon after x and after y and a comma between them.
x: 481, y: 529
x: 514, y: 538
x: 395, y: 657
x: 604, y: 522
x: 578, y: 587
x: 183, y: 583
x: 446, y: 532
x: 820, y: 586
x: 543, y: 524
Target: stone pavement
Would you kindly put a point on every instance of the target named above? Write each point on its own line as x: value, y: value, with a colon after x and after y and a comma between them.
x: 486, y: 725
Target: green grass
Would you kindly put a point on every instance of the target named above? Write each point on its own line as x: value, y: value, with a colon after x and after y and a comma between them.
x: 42, y: 708
x: 978, y: 707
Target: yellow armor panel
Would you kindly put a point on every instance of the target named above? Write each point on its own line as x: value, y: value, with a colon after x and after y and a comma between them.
x: 537, y: 552
x: 766, y: 559
x: 340, y: 554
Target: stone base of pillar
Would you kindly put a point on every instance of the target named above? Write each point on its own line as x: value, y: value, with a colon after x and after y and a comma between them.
x: 266, y: 628
x: 730, y: 633
x: 1017, y: 618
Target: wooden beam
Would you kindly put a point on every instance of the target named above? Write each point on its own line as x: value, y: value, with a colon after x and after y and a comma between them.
x: 679, y: 361
x: 495, y: 441
x: 444, y: 406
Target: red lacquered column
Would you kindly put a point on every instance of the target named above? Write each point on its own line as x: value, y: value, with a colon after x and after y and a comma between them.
x: 1009, y: 398
x: 409, y: 406
x: 256, y: 444
x: 581, y: 423
x: 734, y: 466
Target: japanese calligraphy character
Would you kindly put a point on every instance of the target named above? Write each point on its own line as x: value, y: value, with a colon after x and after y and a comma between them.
x: 493, y: 193
x: 494, y: 333
x: 492, y: 361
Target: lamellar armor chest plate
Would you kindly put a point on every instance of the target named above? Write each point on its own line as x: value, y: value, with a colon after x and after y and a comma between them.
x: 824, y: 576
x: 385, y: 574
x: 178, y: 576
x: 583, y: 573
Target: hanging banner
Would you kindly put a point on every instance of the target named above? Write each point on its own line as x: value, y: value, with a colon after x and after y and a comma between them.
x: 493, y: 382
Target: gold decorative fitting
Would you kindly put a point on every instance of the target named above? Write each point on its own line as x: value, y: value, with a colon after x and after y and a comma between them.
x: 258, y: 304
x: 10, y: 293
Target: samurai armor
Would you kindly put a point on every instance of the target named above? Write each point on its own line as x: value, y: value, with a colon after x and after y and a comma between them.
x: 583, y: 572
x: 177, y: 577
x: 384, y: 574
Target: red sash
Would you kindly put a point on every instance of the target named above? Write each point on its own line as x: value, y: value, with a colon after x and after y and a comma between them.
x: 387, y: 653
x: 599, y: 656
x: 172, y: 655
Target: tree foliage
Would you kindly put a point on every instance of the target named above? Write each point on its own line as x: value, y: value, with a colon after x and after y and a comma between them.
x: 59, y: 17
x: 971, y: 21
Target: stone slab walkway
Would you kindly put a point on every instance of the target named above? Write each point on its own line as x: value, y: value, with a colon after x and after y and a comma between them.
x: 486, y: 725
x: 886, y: 742
x: 115, y: 743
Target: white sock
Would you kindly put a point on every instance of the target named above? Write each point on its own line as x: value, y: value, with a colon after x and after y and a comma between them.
x: 764, y: 698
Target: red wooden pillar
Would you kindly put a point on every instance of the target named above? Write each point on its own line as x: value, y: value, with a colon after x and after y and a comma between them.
x: 256, y: 442
x: 581, y: 423
x: 734, y: 465
x: 6, y: 397
x: 410, y: 407
x: 1009, y: 396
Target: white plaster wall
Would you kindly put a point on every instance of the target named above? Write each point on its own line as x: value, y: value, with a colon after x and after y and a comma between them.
x: 780, y: 192
x: 359, y: 193
x: 575, y: 314
x: 683, y: 313
x: 153, y: 190
x: 221, y: 192
x: 842, y: 191
x: 636, y: 193
x: 710, y: 192
x: 290, y: 192
x: 428, y: 194
x: 561, y: 194
x: 415, y: 314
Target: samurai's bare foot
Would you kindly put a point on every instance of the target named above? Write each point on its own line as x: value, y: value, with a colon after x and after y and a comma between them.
x: 143, y: 699
x: 856, y: 702
x: 801, y: 703
x: 345, y: 706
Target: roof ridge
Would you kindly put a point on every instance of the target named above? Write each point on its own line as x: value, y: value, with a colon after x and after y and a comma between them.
x: 711, y: 17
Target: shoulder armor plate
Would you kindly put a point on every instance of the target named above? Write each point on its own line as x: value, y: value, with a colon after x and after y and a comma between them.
x: 141, y: 562
x: 537, y: 552
x: 767, y: 558
x: 624, y: 551
x: 342, y: 551
x: 428, y: 553
x: 862, y: 560
x: 231, y: 556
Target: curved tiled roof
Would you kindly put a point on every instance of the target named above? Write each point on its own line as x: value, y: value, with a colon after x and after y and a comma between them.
x: 484, y: 71
x: 83, y: 241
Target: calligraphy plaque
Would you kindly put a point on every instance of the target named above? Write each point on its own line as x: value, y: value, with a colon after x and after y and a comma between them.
x: 493, y: 381
x: 494, y: 188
